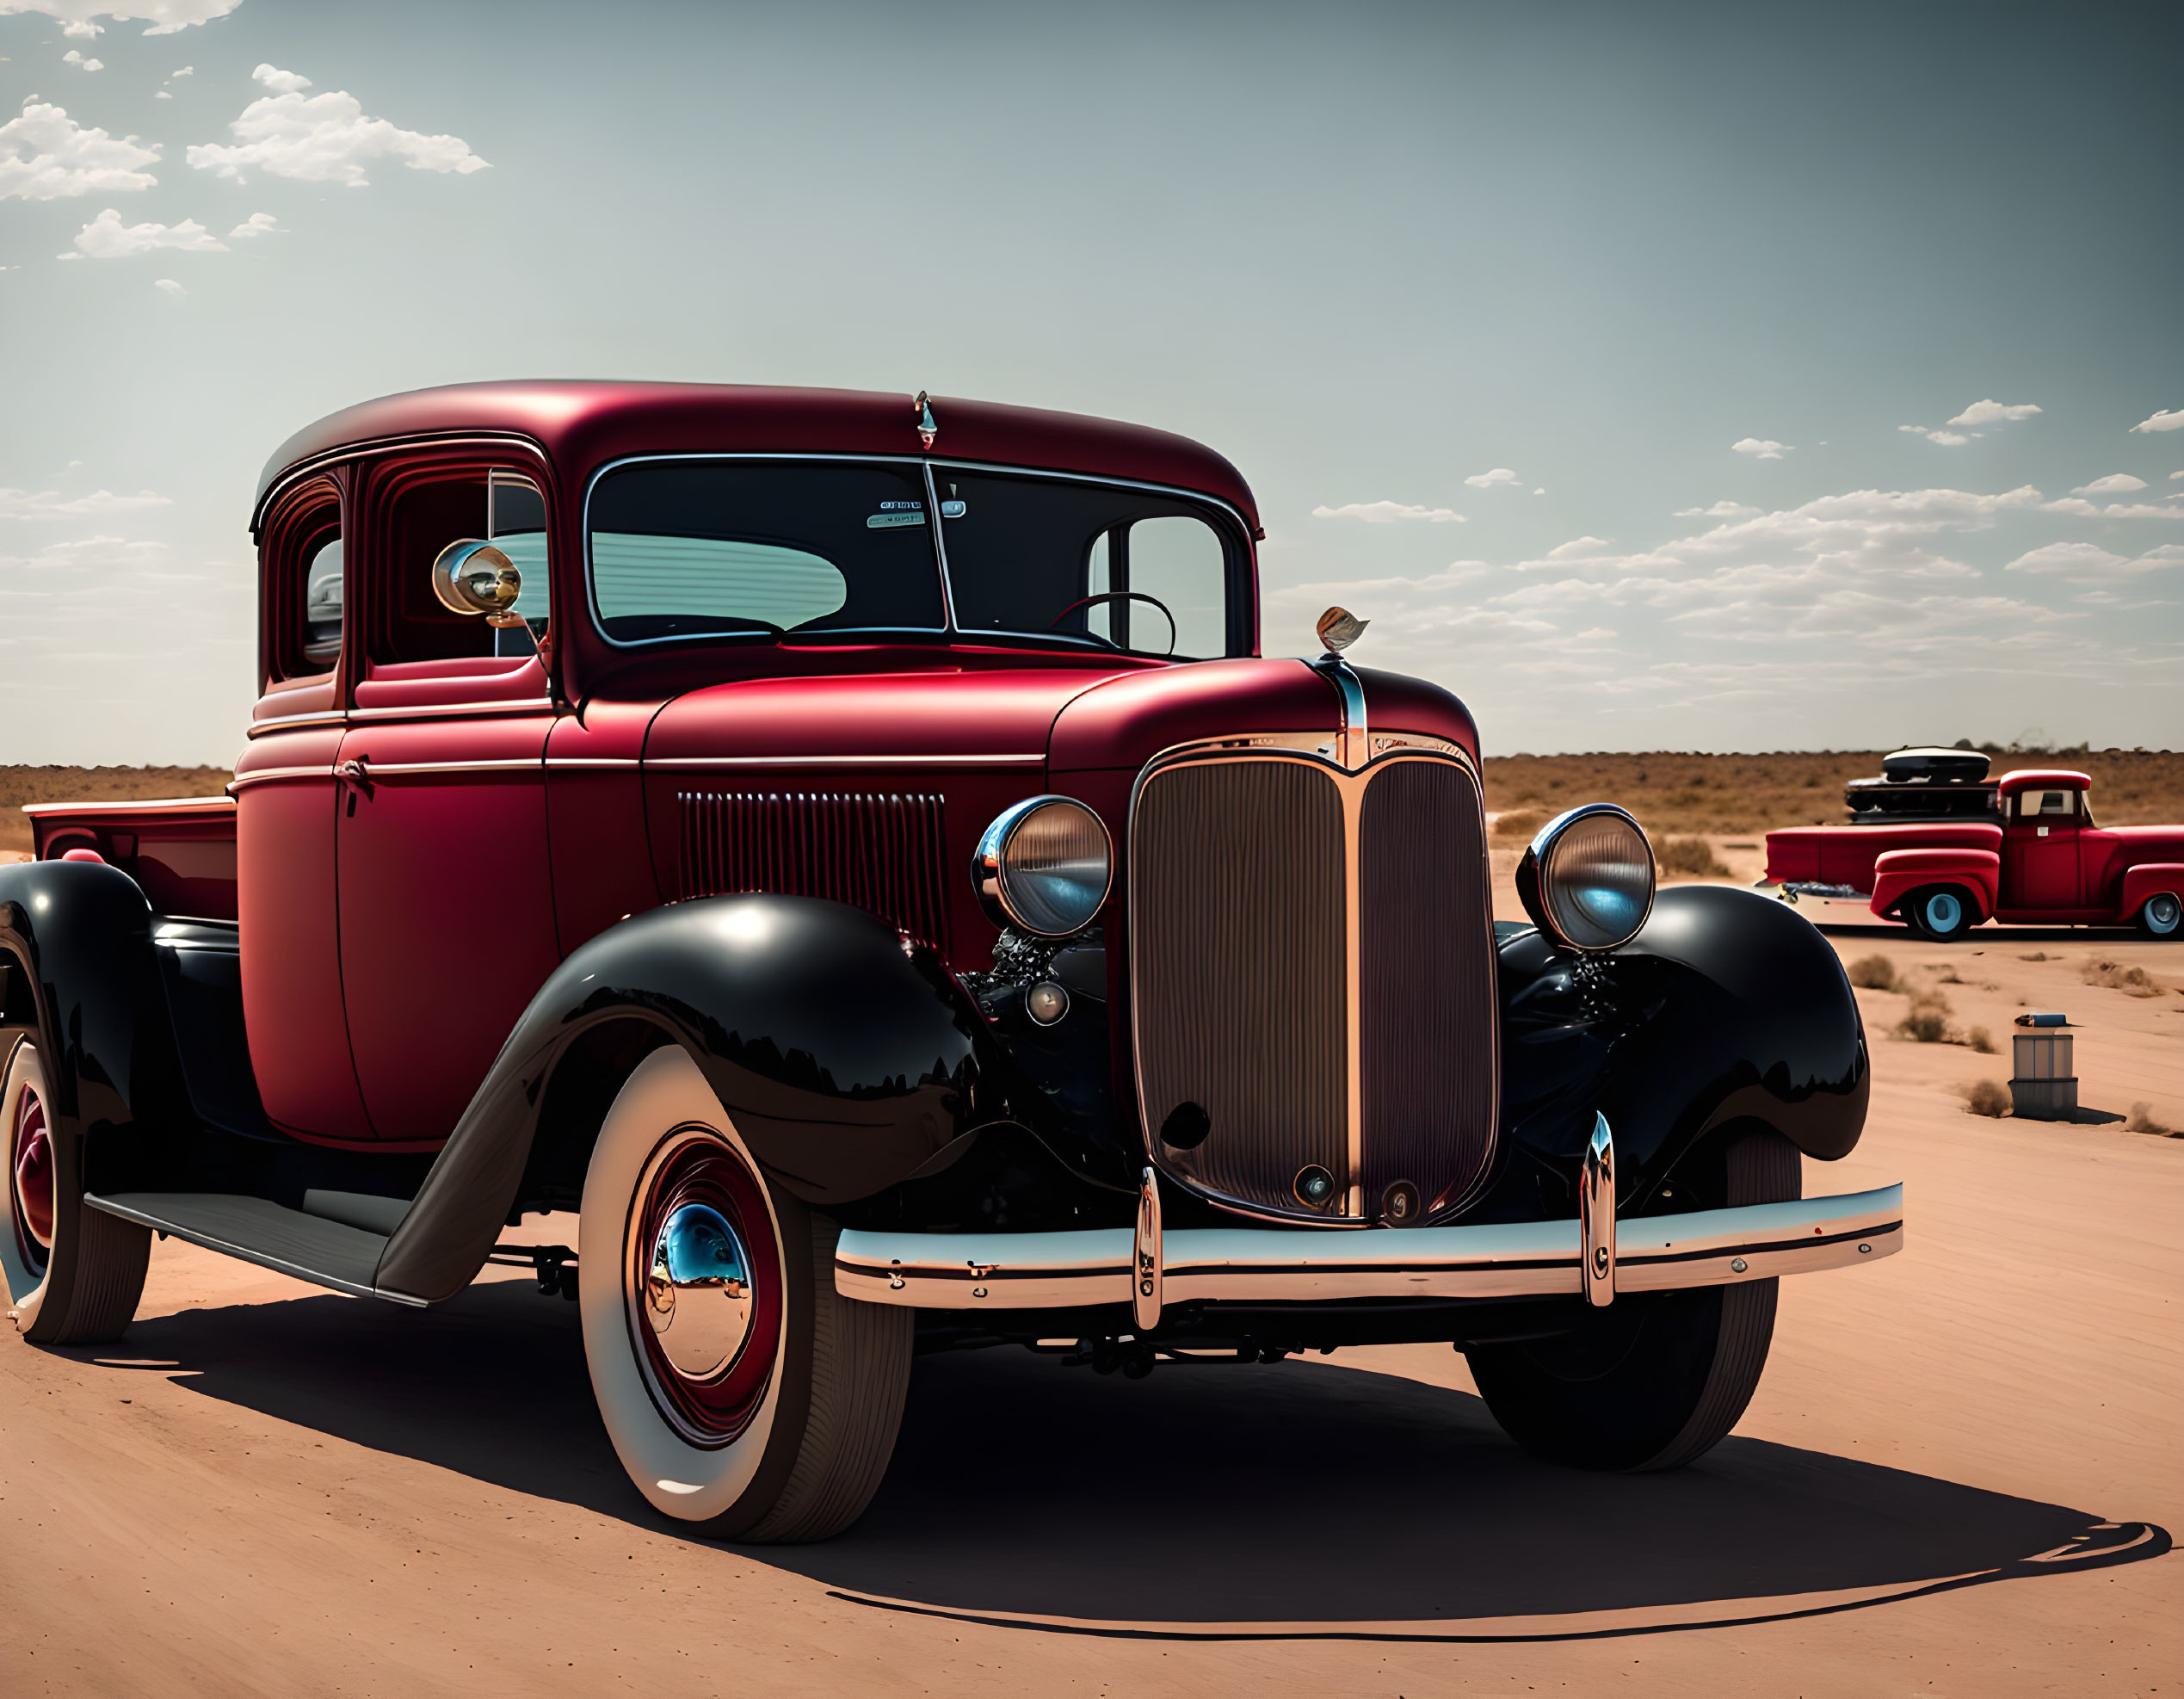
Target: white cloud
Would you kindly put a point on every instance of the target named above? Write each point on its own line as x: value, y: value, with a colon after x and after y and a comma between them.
x: 1487, y: 481
x: 258, y: 223
x: 2088, y: 563
x: 2163, y: 420
x: 2115, y: 483
x: 71, y: 57
x: 1947, y: 439
x: 2079, y: 508
x: 1994, y: 412
x: 165, y: 17
x: 49, y: 504
x: 323, y: 138
x: 163, y: 95
x: 187, y: 71
x: 2173, y: 476
x: 106, y: 237
x: 1762, y: 447
x: 1721, y: 510
x: 169, y: 285
x: 46, y: 155
x: 1388, y: 513
x: 1539, y: 492
x: 280, y: 82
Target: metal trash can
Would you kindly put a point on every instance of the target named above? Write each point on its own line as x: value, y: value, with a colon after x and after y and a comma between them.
x: 2045, y: 1084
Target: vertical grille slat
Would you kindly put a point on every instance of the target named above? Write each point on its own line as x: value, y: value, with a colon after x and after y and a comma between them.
x: 1240, y: 970
x: 1239, y: 875
x: 874, y: 851
x: 1426, y: 983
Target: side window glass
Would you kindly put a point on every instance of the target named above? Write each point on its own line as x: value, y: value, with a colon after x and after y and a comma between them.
x: 1178, y: 561
x: 322, y: 635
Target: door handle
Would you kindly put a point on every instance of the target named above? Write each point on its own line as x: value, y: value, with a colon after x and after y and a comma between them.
x: 355, y: 773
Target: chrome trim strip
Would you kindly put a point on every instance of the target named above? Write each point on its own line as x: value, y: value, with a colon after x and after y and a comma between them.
x: 438, y: 710
x: 379, y: 770
x: 1596, y: 1215
x: 1147, y: 1257
x: 846, y: 761
x: 149, y: 805
x: 290, y: 722
x: 1350, y: 728
x: 1661, y: 1253
x: 263, y: 775
x: 607, y: 763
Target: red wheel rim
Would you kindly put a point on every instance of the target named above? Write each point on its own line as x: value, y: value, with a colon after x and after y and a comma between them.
x: 695, y: 1186
x: 31, y: 1164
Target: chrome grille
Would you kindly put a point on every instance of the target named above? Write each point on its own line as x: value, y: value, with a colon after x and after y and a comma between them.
x: 1312, y: 964
x: 872, y: 850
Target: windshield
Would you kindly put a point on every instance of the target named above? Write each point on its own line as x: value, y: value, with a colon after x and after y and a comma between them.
x: 699, y: 549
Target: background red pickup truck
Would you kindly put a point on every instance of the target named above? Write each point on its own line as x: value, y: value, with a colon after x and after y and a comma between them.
x: 2038, y: 858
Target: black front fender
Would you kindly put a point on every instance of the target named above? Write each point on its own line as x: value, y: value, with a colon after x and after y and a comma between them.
x: 1728, y: 1006
x: 847, y: 1058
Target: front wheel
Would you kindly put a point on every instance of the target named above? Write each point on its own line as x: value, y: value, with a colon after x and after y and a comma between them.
x: 1655, y: 1379
x: 1940, y: 913
x: 743, y: 1394
x: 2160, y: 915
x: 74, y: 1275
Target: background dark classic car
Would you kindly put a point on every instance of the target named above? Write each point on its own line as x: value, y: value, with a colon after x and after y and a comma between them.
x: 849, y: 850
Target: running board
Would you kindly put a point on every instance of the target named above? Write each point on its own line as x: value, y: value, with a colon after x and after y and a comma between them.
x: 325, y: 1252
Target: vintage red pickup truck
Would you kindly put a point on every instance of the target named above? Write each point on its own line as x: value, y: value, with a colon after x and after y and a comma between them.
x: 847, y: 853
x: 1943, y: 857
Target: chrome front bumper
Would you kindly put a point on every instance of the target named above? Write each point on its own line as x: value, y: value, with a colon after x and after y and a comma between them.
x: 1647, y: 1253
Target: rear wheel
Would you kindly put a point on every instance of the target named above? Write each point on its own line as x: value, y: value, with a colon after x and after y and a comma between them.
x: 743, y: 1394
x: 1655, y: 1379
x: 2160, y: 915
x: 1940, y: 912
x: 74, y: 1274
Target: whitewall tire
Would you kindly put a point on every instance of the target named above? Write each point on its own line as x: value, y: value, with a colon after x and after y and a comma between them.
x: 742, y: 1393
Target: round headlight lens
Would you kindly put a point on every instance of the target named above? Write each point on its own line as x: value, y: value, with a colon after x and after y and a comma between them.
x: 1587, y: 878
x: 1044, y: 866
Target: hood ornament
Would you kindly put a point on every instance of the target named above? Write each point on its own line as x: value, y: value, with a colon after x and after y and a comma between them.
x: 927, y: 427
x: 1338, y: 628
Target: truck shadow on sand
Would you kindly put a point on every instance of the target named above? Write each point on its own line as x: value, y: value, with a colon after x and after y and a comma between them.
x: 1301, y: 1497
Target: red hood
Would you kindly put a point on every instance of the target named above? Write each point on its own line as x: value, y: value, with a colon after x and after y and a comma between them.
x: 1123, y: 722
x: 942, y: 712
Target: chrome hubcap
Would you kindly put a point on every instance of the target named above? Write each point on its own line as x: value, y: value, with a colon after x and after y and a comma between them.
x: 698, y: 1297
x: 1942, y: 912
x: 2163, y: 911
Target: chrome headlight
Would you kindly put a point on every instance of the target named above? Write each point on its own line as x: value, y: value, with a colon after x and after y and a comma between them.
x: 1587, y: 880
x: 1044, y: 866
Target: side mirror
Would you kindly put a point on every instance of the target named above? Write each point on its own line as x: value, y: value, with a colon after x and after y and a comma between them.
x: 474, y: 578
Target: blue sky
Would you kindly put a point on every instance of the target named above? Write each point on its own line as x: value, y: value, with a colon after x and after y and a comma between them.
x: 1690, y: 377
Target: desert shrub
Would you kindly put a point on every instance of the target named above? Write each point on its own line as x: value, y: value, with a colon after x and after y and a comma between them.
x: 1981, y: 1040
x: 2141, y: 1120
x: 2116, y: 976
x: 1928, y: 1023
x: 1987, y: 1097
x: 1874, y: 973
x: 1522, y: 824
x: 2036, y: 955
x: 1949, y: 976
x: 1691, y: 856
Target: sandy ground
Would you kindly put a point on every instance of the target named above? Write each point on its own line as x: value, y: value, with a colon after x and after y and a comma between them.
x: 1955, y: 1479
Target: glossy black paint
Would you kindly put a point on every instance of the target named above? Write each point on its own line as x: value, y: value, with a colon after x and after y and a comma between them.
x: 84, y: 984
x: 851, y: 1061
x: 1726, y: 1007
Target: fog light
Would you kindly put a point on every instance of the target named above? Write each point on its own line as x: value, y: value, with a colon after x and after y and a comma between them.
x: 1315, y: 1187
x: 1046, y: 1003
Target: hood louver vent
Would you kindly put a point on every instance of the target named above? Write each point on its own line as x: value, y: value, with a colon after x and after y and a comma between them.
x: 872, y: 850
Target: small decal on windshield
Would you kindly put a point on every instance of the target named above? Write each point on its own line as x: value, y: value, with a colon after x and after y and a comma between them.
x: 889, y: 521
x: 952, y: 509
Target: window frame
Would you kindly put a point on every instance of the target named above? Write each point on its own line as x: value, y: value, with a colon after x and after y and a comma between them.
x: 1227, y: 523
